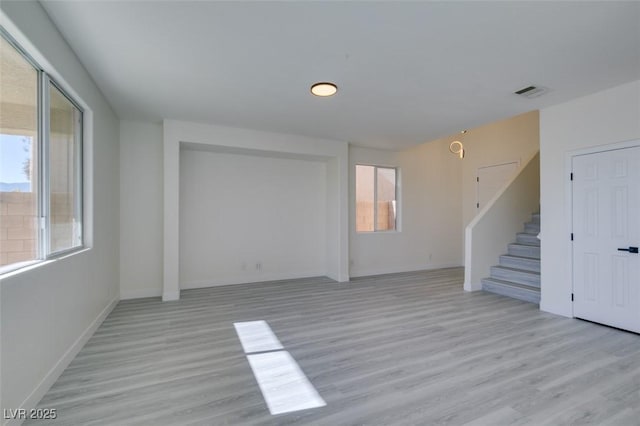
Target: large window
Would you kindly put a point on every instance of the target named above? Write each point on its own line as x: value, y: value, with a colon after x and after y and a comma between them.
x: 376, y: 194
x: 40, y: 163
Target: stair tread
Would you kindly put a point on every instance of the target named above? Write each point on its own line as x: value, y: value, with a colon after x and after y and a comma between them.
x: 521, y: 263
x: 515, y: 256
x: 512, y: 284
x: 517, y: 274
x: 529, y: 234
x: 524, y: 244
x: 521, y: 240
x: 516, y: 269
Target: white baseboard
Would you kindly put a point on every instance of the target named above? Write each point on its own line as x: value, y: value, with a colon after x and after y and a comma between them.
x: 140, y: 293
x: 49, y: 379
x: 472, y: 286
x: 250, y: 279
x: 367, y: 272
x: 169, y: 296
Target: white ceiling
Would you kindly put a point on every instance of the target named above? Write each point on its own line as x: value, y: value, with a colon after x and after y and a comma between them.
x: 408, y: 72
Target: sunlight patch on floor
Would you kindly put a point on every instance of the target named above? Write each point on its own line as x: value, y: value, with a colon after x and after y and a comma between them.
x: 257, y: 336
x: 284, y: 386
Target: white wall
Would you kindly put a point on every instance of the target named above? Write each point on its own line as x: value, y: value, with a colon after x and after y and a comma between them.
x: 430, y: 234
x: 430, y: 178
x: 514, y: 139
x: 437, y: 189
x: 487, y: 235
x: 140, y: 209
x: 238, y: 211
x: 47, y: 312
x: 603, y: 118
x: 142, y: 229
x: 203, y: 137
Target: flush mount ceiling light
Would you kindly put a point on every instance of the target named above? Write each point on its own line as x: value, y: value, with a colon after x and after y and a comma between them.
x: 324, y: 89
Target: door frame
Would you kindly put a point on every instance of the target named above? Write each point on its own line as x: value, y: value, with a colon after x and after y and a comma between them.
x: 568, y: 167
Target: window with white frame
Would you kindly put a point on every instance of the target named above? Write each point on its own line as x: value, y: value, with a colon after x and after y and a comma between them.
x: 376, y: 198
x: 40, y: 162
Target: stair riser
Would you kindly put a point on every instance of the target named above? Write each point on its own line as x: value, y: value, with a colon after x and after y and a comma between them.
x: 532, y: 228
x: 516, y: 293
x: 516, y: 277
x: 533, y: 252
x: 528, y: 239
x: 535, y: 218
x: 526, y: 264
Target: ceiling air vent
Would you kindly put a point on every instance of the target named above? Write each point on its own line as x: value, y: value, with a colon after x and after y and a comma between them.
x: 531, y: 92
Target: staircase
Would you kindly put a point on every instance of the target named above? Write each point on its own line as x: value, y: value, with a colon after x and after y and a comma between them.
x: 518, y: 274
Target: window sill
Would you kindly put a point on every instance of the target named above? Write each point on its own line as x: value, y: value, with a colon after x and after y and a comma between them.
x: 395, y: 231
x: 9, y: 271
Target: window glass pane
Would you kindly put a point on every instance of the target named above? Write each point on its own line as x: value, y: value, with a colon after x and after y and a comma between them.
x: 18, y: 157
x: 364, y: 198
x: 386, y: 199
x: 64, y: 173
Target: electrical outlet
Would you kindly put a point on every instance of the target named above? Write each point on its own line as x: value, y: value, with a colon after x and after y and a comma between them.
x: 259, y: 266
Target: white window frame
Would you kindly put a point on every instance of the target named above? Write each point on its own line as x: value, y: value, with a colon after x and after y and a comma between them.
x: 42, y: 185
x: 375, y: 198
x: 45, y: 169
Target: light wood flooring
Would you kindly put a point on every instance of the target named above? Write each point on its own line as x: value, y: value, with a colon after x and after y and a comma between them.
x: 399, y: 349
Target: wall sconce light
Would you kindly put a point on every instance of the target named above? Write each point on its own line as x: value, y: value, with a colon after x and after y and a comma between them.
x: 456, y: 147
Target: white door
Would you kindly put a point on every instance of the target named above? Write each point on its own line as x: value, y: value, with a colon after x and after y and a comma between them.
x: 491, y: 179
x: 606, y: 228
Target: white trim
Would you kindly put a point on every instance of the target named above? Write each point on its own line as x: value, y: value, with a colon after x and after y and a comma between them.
x: 605, y: 147
x: 469, y: 284
x: 506, y: 163
x: 33, y: 264
x: 9, y: 270
x: 368, y: 272
x: 169, y: 296
x: 568, y: 168
x: 49, y: 379
x: 398, y: 211
x: 140, y: 293
x: 568, y: 221
x: 249, y: 279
